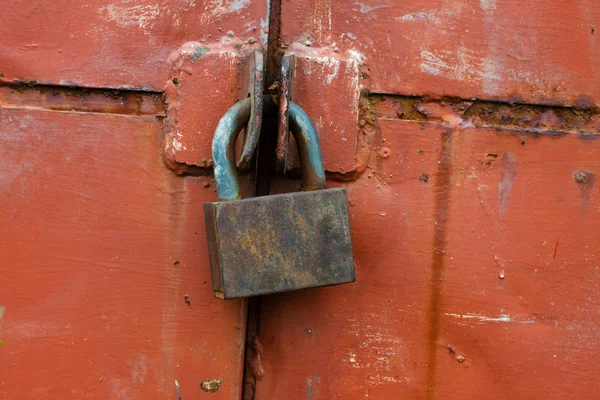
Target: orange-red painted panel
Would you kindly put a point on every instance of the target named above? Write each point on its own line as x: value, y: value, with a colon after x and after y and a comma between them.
x: 196, y: 52
x: 518, y: 294
x: 326, y: 86
x: 365, y: 338
x: 476, y: 278
x: 99, y: 247
x: 475, y: 248
x: 541, y: 51
x: 116, y: 43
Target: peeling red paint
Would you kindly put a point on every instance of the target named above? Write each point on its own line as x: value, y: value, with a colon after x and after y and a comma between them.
x: 483, y: 49
x: 476, y: 124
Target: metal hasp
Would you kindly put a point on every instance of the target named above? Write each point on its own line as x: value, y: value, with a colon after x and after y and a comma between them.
x: 255, y: 94
x: 282, y: 242
x: 285, y: 98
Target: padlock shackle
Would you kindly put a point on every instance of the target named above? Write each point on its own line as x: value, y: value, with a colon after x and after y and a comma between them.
x: 228, y: 129
x: 309, y: 149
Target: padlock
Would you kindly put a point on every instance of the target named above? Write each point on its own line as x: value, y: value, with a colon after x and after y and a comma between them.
x: 275, y: 243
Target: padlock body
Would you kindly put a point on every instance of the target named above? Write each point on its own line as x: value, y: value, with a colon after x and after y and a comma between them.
x: 279, y: 243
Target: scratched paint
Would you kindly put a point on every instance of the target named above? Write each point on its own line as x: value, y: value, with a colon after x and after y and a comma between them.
x: 519, y: 261
x: 483, y: 319
x: 484, y: 49
x: 117, y: 245
x: 141, y: 16
x: 487, y: 5
x: 193, y: 67
x: 502, y: 291
x: 337, y: 74
x: 219, y: 7
x: 85, y: 105
x: 508, y: 174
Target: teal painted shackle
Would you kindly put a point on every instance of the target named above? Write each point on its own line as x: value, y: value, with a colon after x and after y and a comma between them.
x: 230, y: 126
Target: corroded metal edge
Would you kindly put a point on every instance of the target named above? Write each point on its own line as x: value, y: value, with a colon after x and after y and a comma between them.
x: 285, y: 97
x: 255, y: 94
x: 213, y: 246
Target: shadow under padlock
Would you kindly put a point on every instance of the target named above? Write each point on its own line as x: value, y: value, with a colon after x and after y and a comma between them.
x: 282, y: 242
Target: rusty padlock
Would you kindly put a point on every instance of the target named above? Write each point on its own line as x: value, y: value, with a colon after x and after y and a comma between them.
x: 280, y: 242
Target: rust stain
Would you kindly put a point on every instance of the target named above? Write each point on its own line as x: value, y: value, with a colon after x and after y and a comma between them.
x: 584, y: 117
x: 33, y: 96
x: 256, y: 366
x: 273, y: 59
x: 438, y: 255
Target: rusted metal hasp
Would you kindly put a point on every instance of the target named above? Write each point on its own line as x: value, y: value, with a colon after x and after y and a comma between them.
x: 255, y: 95
x: 285, y: 98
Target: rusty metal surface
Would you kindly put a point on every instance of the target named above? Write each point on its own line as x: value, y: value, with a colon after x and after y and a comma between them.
x: 285, y: 97
x: 265, y: 164
x: 255, y: 94
x: 275, y: 243
x: 476, y: 113
x: 279, y: 243
x: 81, y: 99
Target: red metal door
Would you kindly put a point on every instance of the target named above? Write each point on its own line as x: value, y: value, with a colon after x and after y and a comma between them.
x: 105, y: 278
x: 474, y: 210
x: 464, y: 132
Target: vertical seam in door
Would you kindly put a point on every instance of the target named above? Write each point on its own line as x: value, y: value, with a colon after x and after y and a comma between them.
x: 252, y: 353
